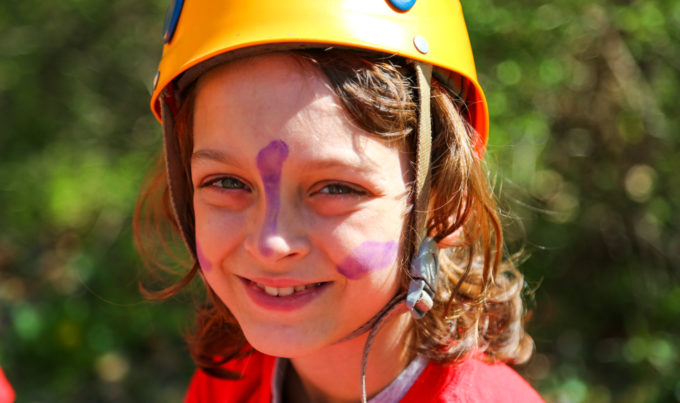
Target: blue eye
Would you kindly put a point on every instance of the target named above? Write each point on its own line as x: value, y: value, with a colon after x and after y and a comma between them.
x: 228, y: 183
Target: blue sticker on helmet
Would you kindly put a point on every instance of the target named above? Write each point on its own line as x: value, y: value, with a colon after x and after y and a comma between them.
x: 403, y: 5
x: 171, y: 19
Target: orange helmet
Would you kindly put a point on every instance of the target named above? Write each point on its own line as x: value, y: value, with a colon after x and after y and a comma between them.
x: 429, y: 31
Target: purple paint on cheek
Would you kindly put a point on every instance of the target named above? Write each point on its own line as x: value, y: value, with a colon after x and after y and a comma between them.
x: 202, y: 260
x: 368, y: 257
x: 269, y: 162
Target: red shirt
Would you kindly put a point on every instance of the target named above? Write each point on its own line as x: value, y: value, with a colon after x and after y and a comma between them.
x: 6, y: 392
x: 469, y: 381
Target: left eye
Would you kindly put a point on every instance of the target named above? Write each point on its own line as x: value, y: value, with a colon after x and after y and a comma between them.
x: 337, y: 189
x: 228, y: 183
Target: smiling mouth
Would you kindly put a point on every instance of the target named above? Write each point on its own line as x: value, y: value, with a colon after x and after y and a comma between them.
x: 285, y: 291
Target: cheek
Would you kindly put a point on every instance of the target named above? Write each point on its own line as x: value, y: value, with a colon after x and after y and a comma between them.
x: 368, y: 257
x: 218, y: 233
x: 202, y: 260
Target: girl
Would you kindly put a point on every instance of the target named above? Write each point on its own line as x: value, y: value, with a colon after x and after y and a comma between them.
x: 319, y: 155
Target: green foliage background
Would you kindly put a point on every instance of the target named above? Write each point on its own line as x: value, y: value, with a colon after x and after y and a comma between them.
x: 584, y: 148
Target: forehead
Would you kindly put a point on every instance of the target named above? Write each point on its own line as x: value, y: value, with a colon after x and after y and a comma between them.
x: 273, y: 96
x: 273, y: 83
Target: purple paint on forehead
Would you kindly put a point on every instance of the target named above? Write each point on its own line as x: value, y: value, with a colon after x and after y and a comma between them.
x: 269, y: 162
x: 202, y: 260
x: 368, y: 257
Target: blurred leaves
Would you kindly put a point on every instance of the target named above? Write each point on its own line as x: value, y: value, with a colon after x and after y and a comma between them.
x: 585, y: 127
x: 76, y: 141
x: 584, y: 141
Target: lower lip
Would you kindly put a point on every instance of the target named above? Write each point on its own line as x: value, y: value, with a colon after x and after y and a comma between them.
x: 288, y: 303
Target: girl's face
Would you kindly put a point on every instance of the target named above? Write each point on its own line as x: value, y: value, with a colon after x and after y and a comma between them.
x: 298, y: 211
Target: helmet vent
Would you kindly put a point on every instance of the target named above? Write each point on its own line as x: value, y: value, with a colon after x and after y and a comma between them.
x: 171, y: 19
x: 403, y: 5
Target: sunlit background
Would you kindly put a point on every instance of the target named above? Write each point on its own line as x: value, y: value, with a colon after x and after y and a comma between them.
x: 584, y: 148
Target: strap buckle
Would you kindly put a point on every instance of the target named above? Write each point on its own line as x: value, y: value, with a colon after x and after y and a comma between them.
x: 423, y: 286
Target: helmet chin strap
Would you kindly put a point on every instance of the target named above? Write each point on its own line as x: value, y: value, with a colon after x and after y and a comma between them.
x: 424, y: 266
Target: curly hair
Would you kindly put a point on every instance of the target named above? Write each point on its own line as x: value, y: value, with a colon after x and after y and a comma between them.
x: 478, y: 305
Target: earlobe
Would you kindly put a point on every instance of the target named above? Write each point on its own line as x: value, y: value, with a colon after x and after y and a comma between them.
x: 456, y: 238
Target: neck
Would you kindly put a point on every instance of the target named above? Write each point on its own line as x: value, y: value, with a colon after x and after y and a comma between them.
x: 333, y: 374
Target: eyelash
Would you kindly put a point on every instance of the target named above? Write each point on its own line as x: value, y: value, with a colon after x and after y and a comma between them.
x: 340, y: 189
x: 235, y: 184
x: 231, y: 183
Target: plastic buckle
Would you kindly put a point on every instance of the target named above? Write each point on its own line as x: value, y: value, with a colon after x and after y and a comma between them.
x: 423, y: 286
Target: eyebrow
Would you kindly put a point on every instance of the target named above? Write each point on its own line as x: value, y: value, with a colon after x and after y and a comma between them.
x: 334, y: 163
x: 366, y: 169
x: 209, y: 154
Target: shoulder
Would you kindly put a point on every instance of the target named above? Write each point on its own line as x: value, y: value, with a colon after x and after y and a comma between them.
x: 471, y: 380
x: 254, y: 386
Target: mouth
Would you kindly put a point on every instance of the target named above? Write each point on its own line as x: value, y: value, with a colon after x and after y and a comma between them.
x: 283, y: 295
x: 286, y: 291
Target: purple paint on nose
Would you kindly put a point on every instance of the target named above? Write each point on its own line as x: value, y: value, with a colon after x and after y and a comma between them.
x: 368, y: 257
x: 269, y: 162
x: 202, y: 260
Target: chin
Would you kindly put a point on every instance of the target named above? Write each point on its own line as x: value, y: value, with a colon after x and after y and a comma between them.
x: 284, y: 341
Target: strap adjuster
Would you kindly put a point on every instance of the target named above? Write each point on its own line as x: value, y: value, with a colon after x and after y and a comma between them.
x: 423, y: 286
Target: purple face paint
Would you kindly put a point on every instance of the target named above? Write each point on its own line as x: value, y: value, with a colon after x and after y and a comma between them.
x: 202, y: 260
x: 269, y: 162
x: 368, y: 257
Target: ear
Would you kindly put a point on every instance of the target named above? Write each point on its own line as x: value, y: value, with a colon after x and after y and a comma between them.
x: 455, y: 238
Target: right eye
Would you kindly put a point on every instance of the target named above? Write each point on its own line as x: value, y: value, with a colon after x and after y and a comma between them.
x: 228, y: 183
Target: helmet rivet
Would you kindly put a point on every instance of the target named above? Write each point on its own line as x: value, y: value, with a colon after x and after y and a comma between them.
x: 155, y: 80
x: 421, y: 44
x: 403, y: 5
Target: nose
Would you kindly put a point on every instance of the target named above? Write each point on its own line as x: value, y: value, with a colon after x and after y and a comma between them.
x: 277, y: 234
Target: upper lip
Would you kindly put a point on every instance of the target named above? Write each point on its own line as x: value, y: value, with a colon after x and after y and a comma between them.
x: 280, y: 282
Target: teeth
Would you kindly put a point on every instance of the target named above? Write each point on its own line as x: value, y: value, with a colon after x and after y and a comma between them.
x: 285, y: 291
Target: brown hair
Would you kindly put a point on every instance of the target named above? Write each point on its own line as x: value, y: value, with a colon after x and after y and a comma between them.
x: 478, y: 305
